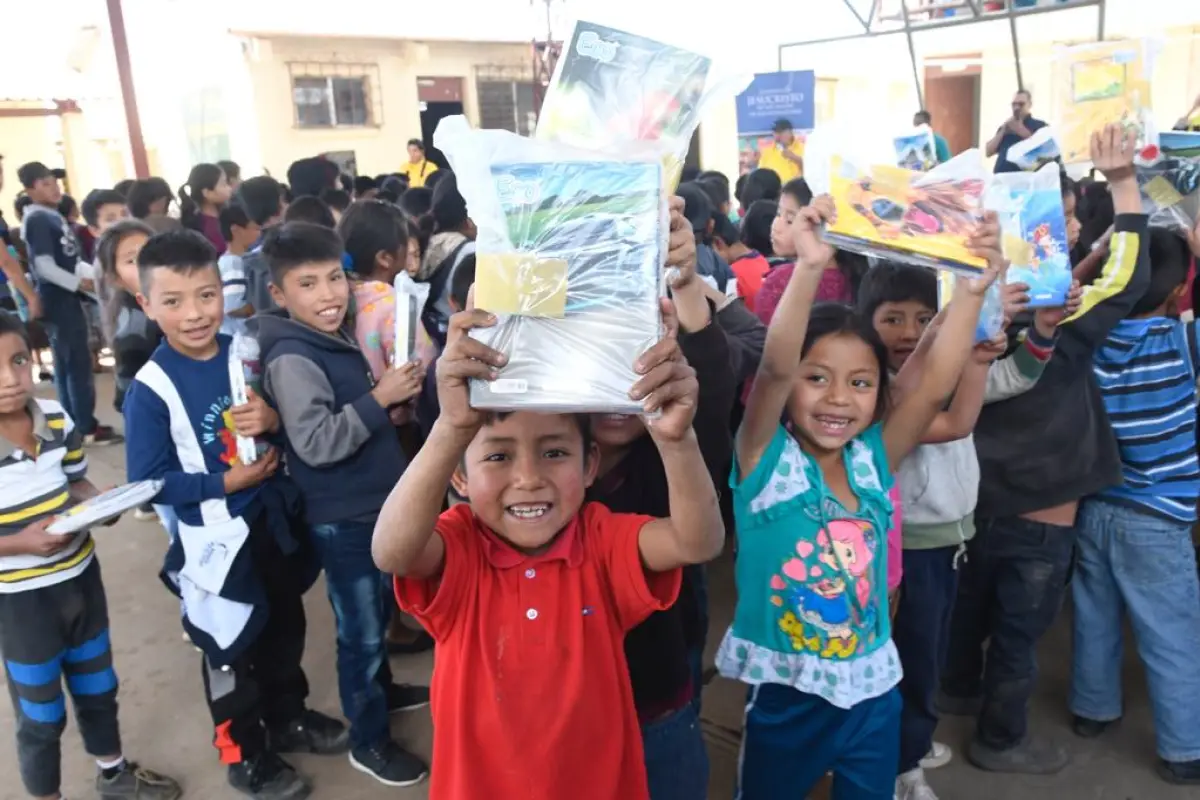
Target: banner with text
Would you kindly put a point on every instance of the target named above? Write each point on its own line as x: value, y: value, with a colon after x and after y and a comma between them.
x: 773, y: 96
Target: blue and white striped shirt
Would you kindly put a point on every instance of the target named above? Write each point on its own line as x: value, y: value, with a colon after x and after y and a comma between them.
x: 1147, y: 372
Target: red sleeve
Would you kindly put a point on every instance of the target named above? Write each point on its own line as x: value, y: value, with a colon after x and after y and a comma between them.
x: 637, y: 593
x: 436, y: 602
x: 772, y: 292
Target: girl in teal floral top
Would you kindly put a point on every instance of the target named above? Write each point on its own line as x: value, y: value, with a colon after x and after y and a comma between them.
x: 811, y: 633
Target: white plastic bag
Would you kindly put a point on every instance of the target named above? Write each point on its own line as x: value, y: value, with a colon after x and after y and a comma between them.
x: 569, y: 257
x: 1035, y: 152
x: 410, y: 302
x: 1033, y: 230
x: 245, y: 373
x: 916, y: 149
x: 1170, y: 190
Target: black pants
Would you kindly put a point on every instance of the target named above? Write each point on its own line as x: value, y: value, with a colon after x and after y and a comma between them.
x: 48, y: 634
x: 265, y: 686
x: 1012, y: 587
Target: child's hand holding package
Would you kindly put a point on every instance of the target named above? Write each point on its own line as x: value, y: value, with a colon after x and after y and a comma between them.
x: 1047, y: 320
x: 244, y: 476
x: 681, y: 247
x: 399, y: 385
x: 813, y: 253
x: 668, y: 384
x: 35, y: 540
x: 984, y: 242
x: 465, y: 359
x: 254, y: 417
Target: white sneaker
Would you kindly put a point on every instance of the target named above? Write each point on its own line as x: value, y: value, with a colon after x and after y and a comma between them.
x: 939, y: 755
x: 912, y: 786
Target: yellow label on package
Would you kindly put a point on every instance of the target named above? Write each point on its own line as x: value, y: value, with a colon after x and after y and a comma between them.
x: 522, y: 284
x: 1162, y: 192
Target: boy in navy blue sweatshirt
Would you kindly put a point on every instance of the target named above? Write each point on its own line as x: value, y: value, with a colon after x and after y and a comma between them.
x: 343, y: 452
x: 237, y: 564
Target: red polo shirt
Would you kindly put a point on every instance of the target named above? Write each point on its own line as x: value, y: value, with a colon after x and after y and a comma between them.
x: 531, y: 697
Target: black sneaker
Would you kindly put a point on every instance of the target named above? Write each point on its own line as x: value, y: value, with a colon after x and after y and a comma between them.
x: 421, y: 643
x: 1091, y: 728
x: 103, y: 436
x: 389, y: 763
x: 132, y: 782
x: 268, y: 777
x: 405, y: 697
x: 312, y: 733
x: 1032, y: 756
x: 1181, y: 773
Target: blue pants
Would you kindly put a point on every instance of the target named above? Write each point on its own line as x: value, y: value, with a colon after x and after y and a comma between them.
x: 676, y: 758
x: 362, y: 609
x: 1012, y: 587
x: 791, y: 739
x: 1130, y: 561
x: 922, y: 635
x: 67, y: 328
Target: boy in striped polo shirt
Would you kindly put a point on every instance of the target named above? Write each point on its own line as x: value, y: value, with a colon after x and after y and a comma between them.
x: 53, y: 612
x: 1135, y: 539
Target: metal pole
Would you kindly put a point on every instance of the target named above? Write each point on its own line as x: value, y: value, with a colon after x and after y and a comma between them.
x: 1100, y: 22
x: 1012, y: 31
x: 912, y: 54
x: 116, y: 22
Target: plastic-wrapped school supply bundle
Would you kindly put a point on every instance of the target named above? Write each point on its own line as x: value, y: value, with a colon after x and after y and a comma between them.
x: 611, y: 88
x: 105, y: 506
x: 245, y: 373
x: 916, y: 149
x: 1103, y: 83
x: 1035, y: 152
x: 1034, y: 232
x: 569, y: 257
x: 1171, y: 192
x: 921, y: 218
x: 410, y: 301
x: 991, y: 314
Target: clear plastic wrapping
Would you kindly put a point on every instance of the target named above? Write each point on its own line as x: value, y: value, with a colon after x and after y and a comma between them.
x: 916, y: 149
x: 410, y: 301
x: 245, y: 373
x: 1103, y: 83
x: 1035, y: 152
x: 1179, y: 144
x: 569, y: 257
x: 104, y: 507
x: 1034, y: 232
x: 611, y: 87
x: 1171, y: 192
x: 921, y: 218
x: 991, y: 314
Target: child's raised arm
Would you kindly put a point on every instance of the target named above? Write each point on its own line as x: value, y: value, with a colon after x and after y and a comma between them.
x: 405, y: 542
x: 948, y: 354
x: 785, y: 337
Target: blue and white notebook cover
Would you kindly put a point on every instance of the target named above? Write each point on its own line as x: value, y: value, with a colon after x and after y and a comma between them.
x: 1034, y: 232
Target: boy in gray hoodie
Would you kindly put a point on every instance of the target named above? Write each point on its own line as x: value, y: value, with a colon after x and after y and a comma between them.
x: 939, y: 485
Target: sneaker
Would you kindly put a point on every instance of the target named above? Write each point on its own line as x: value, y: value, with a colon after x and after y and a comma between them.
x: 389, y: 763
x: 268, y: 777
x: 405, y: 697
x: 103, y: 436
x: 939, y: 755
x: 137, y: 783
x: 1032, y: 756
x: 1090, y: 728
x: 1181, y: 773
x: 421, y: 643
x: 312, y: 733
x: 959, y: 706
x: 912, y: 786
x: 145, y: 513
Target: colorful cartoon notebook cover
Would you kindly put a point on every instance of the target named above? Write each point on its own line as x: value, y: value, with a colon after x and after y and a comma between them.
x: 1103, y: 83
x: 571, y: 264
x: 991, y: 314
x: 1034, y: 232
x: 921, y: 218
x: 610, y: 87
x: 1171, y: 192
x: 105, y: 506
x: 916, y: 150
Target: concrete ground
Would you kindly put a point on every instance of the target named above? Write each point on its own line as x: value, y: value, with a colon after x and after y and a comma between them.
x: 166, y: 725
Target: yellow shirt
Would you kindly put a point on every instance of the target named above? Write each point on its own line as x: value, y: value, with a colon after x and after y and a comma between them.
x: 772, y: 158
x: 418, y: 173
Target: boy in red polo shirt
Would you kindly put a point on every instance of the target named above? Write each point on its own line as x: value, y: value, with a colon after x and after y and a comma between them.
x: 528, y: 592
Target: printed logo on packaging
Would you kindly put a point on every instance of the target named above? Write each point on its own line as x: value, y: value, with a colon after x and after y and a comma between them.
x: 590, y: 45
x: 513, y: 191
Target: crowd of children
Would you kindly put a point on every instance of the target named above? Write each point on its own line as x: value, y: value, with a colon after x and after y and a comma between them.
x: 899, y: 496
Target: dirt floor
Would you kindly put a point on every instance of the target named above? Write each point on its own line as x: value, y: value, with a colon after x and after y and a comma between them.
x: 166, y: 725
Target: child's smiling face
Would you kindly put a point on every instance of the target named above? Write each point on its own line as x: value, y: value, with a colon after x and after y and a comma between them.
x: 834, y: 398
x: 900, y: 325
x: 782, y: 241
x: 526, y: 474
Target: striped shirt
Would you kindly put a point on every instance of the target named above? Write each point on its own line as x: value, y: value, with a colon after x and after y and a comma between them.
x: 1147, y: 373
x: 34, y: 486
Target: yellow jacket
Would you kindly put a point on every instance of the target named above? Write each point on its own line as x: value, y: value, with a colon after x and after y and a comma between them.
x: 418, y: 173
x: 772, y: 158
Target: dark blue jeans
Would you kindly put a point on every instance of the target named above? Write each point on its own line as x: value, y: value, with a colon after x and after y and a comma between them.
x: 676, y: 759
x: 361, y: 607
x: 922, y: 635
x: 67, y: 328
x: 1011, y: 589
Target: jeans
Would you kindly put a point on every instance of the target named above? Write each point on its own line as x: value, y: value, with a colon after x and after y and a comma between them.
x: 169, y: 520
x: 362, y: 609
x: 1011, y: 589
x: 1131, y: 561
x: 698, y: 580
x: 921, y: 632
x: 67, y: 328
x: 676, y: 758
